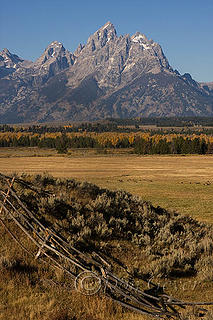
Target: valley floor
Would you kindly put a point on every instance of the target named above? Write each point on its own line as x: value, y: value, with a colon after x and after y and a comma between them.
x: 182, y: 183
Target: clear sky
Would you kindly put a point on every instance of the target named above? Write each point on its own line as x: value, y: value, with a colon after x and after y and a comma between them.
x: 184, y: 28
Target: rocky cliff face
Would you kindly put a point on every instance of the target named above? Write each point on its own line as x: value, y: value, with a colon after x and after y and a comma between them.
x: 54, y: 59
x: 117, y: 60
x: 208, y: 87
x: 109, y: 76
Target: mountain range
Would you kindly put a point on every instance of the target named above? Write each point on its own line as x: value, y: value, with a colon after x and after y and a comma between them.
x: 110, y: 76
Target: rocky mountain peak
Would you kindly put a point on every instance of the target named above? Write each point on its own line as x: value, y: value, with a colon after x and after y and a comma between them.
x: 110, y: 76
x: 102, y: 36
x: 56, y: 45
x: 53, y: 50
x: 54, y: 59
x: 153, y: 52
x: 9, y: 60
x: 79, y: 49
x: 108, y: 26
x: 139, y: 37
x: 142, y: 40
x: 5, y: 51
x: 116, y: 60
x: 208, y: 87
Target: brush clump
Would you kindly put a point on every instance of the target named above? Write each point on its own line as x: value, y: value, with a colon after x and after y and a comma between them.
x: 170, y: 244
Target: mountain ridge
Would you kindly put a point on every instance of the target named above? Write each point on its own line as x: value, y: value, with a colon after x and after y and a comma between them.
x: 109, y: 76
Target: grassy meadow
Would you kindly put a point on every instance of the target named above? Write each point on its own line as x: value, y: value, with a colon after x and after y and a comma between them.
x: 180, y: 183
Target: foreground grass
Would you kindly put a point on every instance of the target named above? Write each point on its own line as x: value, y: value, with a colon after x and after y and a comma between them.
x: 28, y: 289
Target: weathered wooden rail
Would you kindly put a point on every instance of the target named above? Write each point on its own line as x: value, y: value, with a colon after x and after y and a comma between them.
x: 91, y: 273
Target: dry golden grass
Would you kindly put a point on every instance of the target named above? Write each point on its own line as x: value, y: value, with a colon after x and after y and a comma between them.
x: 182, y: 183
x: 174, y: 182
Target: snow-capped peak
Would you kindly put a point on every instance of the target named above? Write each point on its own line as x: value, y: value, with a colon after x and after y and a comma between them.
x: 142, y: 40
x: 139, y: 37
x: 55, y: 44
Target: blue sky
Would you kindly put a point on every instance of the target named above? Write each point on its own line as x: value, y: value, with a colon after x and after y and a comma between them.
x: 184, y: 28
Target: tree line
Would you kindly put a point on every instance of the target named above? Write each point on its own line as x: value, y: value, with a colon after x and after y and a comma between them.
x: 174, y: 124
x: 140, y: 143
x: 177, y: 145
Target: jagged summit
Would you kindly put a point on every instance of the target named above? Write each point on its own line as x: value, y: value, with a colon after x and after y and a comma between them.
x: 9, y: 60
x: 79, y: 49
x: 54, y: 46
x: 54, y: 59
x: 55, y: 43
x: 107, y: 27
x: 141, y: 39
x: 108, y: 76
x: 5, y: 51
x: 54, y: 49
x: 98, y: 39
x: 102, y: 36
x: 138, y: 36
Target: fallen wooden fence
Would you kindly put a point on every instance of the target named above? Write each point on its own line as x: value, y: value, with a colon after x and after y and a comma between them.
x: 91, y: 273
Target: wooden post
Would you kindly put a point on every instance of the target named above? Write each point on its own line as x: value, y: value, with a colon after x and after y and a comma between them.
x: 7, y: 194
x: 48, y: 236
